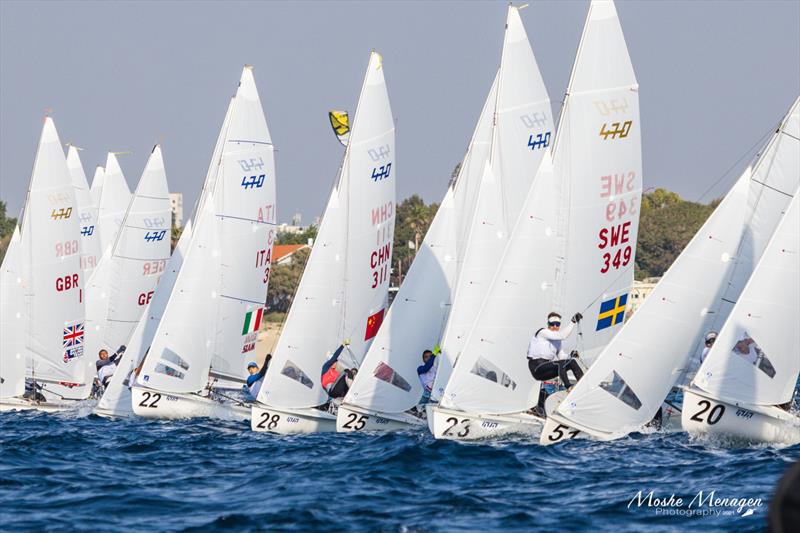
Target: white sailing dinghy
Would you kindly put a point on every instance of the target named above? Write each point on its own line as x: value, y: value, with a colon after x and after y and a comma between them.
x: 210, y: 324
x: 52, y: 281
x: 116, y: 399
x: 516, y: 126
x: 123, y: 284
x: 96, y: 190
x: 115, y: 196
x: 625, y: 388
x: 344, y: 288
x: 87, y: 213
x: 572, y: 249
x: 12, y: 321
x: 752, y: 369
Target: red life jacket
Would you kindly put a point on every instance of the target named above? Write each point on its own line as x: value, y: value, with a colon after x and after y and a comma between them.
x: 330, y: 377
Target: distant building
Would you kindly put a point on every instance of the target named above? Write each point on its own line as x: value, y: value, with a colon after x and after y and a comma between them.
x: 290, y: 228
x: 176, y: 205
x: 297, y: 219
x: 282, y: 253
x: 640, y: 291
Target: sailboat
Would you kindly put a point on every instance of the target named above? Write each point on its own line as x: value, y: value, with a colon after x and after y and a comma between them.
x: 116, y: 399
x: 87, y: 213
x: 745, y: 386
x: 210, y: 323
x: 572, y: 249
x: 123, y: 284
x: 51, y: 282
x: 457, y: 257
x: 96, y: 189
x: 12, y: 321
x: 625, y: 388
x: 112, y: 203
x: 343, y: 292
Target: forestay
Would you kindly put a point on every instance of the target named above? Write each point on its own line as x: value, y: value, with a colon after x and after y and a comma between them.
x: 343, y: 291
x: 210, y: 322
x: 12, y: 321
x: 522, y: 132
x: 51, y: 273
x: 387, y: 379
x: 632, y: 376
x: 572, y: 249
x: 116, y: 398
x: 123, y: 283
x: 756, y: 357
x: 114, y: 199
x: 87, y: 213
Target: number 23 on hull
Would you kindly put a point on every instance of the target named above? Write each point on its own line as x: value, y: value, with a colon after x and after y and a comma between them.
x: 705, y: 415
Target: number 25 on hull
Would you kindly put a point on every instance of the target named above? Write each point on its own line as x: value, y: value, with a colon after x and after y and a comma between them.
x: 705, y: 415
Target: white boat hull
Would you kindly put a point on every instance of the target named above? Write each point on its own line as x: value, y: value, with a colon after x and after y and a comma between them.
x: 291, y: 421
x: 351, y: 418
x: 706, y: 415
x: 154, y: 404
x: 24, y: 404
x: 452, y: 424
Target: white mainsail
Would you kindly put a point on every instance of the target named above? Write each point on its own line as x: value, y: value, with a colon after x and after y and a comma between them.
x: 572, y: 249
x: 123, y: 283
x: 631, y: 377
x: 96, y: 190
x: 343, y: 291
x: 51, y: 272
x: 210, y: 322
x: 114, y: 199
x: 756, y: 357
x: 116, y: 399
x: 87, y: 213
x: 523, y: 128
x: 12, y: 321
x: 423, y: 303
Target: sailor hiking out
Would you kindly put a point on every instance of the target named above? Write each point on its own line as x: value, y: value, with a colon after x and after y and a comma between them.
x: 256, y: 377
x: 107, y: 365
x: 336, y: 377
x: 546, y: 359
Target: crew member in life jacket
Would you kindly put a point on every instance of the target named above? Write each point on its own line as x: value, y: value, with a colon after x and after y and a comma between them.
x: 106, y: 366
x: 546, y: 359
x: 336, y: 377
x: 256, y: 377
x: 427, y: 373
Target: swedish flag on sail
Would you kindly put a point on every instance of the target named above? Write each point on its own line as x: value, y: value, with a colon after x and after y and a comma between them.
x: 612, y: 312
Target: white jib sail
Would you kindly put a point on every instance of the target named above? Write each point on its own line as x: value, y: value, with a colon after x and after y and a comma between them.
x: 114, y: 199
x: 52, y: 275
x: 343, y: 291
x: 756, y: 357
x: 116, y: 398
x: 87, y: 213
x: 124, y: 281
x: 211, y: 321
x: 572, y: 249
x: 523, y: 131
x: 12, y: 321
x: 631, y: 377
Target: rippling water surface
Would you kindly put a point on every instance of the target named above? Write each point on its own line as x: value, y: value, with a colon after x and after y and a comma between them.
x: 79, y: 472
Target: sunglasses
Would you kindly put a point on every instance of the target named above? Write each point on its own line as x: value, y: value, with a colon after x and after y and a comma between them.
x: 554, y: 324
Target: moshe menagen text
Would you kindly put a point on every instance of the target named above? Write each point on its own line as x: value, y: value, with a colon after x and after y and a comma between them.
x: 700, y: 500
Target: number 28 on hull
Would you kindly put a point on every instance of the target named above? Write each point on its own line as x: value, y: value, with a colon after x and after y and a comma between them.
x: 268, y: 419
x: 705, y: 415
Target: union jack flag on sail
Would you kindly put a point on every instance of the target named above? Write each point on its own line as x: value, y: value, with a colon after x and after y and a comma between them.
x: 73, y: 341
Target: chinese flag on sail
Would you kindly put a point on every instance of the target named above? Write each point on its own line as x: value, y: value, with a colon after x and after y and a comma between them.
x: 373, y: 325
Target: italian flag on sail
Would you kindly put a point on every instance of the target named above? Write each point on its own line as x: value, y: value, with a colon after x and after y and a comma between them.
x: 252, y: 321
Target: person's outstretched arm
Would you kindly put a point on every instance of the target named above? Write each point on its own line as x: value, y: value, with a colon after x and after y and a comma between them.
x: 335, y: 357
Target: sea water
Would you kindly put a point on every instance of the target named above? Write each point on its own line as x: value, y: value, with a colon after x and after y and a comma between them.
x: 75, y: 471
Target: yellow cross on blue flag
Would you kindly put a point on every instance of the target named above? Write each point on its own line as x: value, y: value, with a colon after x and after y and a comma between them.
x: 612, y: 312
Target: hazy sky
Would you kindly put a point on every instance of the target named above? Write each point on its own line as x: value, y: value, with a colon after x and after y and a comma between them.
x: 714, y: 78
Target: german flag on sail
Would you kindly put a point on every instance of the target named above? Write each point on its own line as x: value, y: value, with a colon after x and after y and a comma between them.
x: 252, y: 321
x: 612, y: 312
x: 373, y: 325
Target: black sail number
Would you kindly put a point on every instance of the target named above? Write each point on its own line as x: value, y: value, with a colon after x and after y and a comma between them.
x: 268, y: 420
x: 355, y: 422
x: 453, y: 421
x: 558, y: 433
x: 146, y: 397
x: 714, y: 414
